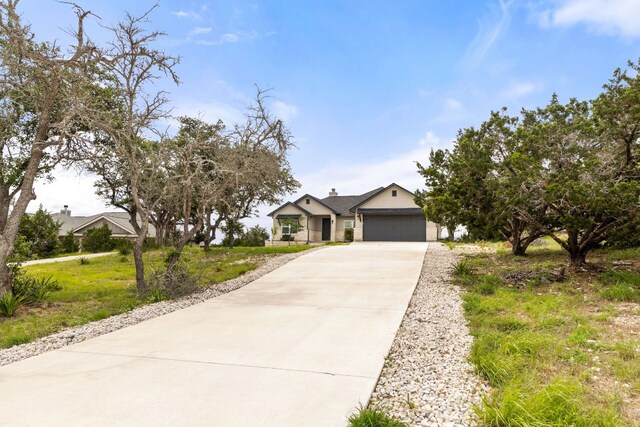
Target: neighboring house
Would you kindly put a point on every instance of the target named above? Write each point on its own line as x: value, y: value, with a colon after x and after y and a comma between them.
x: 118, y: 223
x: 384, y: 214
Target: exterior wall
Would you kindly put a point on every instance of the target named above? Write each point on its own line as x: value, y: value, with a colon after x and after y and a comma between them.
x: 115, y: 230
x: 314, y: 207
x: 339, y: 226
x: 300, y: 236
x: 404, y: 199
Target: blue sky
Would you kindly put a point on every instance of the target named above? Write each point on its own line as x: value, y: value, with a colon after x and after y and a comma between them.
x: 366, y: 87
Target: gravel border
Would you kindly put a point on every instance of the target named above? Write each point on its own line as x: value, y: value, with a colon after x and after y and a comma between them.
x: 81, y: 333
x: 427, y: 379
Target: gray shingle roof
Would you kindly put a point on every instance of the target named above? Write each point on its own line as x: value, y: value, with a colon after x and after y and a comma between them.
x: 342, y: 204
x: 70, y: 223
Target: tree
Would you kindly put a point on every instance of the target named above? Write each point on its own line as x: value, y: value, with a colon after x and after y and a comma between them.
x: 68, y: 243
x: 41, y: 231
x: 255, y: 236
x: 98, y: 240
x: 45, y: 93
x: 126, y: 159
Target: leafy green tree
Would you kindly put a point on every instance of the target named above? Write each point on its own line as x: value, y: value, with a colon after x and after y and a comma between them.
x: 41, y: 231
x: 255, y: 236
x: 68, y: 243
x: 98, y: 240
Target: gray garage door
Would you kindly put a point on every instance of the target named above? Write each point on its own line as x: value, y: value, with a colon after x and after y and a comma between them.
x: 395, y: 228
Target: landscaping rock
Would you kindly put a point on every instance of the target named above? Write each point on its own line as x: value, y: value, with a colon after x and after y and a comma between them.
x: 427, y: 379
x: 81, y: 333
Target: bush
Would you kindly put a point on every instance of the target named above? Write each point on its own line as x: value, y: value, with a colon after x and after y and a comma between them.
x: 462, y: 268
x: 41, y: 231
x: 255, y: 236
x: 287, y: 238
x: 348, y: 235
x: 9, y: 303
x: 178, y: 282
x: 123, y: 246
x: 84, y: 260
x: 34, y: 289
x: 68, y: 243
x: 98, y: 240
x: 625, y: 237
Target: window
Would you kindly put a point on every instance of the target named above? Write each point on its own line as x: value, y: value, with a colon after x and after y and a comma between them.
x: 307, y: 201
x: 394, y: 193
x: 348, y: 223
x: 289, y: 229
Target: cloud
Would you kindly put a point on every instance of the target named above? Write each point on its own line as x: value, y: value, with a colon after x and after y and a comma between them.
x: 235, y: 37
x: 283, y: 110
x: 431, y: 140
x: 519, y: 89
x: 611, y: 17
x: 452, y: 104
x: 187, y: 14
x: 200, y: 30
x: 490, y: 29
x: 210, y: 112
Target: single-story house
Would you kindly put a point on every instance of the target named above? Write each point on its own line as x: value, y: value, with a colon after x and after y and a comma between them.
x: 384, y: 214
x: 118, y: 223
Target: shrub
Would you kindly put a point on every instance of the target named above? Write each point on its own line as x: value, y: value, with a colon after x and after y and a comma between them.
x: 173, y: 284
x: 123, y: 246
x: 84, y: 261
x: 68, y: 243
x: 255, y: 236
x: 9, y: 303
x: 98, y: 240
x: 348, y: 235
x: 34, y: 289
x: 287, y: 238
x: 41, y: 231
x: 462, y: 268
x: 373, y: 417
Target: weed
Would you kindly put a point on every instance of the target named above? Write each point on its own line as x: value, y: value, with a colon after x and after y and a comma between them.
x: 9, y: 303
x: 17, y: 339
x: 373, y: 417
x: 124, y: 259
x: 621, y: 292
x: 410, y: 403
x: 84, y: 260
x: 35, y: 289
x: 462, y: 268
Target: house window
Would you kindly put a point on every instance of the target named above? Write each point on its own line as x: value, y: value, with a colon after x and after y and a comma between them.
x: 348, y: 223
x: 289, y: 229
x: 394, y: 193
x: 307, y: 201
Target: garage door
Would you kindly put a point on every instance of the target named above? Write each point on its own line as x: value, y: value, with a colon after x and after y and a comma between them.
x: 395, y: 228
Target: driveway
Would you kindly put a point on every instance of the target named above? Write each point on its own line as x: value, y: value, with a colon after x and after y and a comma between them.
x: 302, y: 345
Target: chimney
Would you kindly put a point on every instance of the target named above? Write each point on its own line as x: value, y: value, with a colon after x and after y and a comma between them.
x: 333, y: 192
x: 66, y: 210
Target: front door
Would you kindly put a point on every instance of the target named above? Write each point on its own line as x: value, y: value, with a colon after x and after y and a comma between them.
x: 326, y: 228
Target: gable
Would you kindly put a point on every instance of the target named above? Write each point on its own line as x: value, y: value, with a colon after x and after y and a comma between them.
x: 314, y: 206
x: 385, y: 199
x: 115, y: 229
x: 289, y: 209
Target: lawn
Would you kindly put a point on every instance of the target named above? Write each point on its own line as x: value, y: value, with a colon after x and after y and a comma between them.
x: 557, y: 349
x: 106, y: 286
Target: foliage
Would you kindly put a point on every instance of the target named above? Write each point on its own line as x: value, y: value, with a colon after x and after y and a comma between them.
x: 40, y: 231
x: 84, y: 260
x: 123, y: 246
x: 373, y: 417
x: 68, y: 243
x: 34, y: 290
x: 9, y: 303
x: 348, y: 235
x: 287, y: 238
x: 255, y: 236
x: 174, y: 283
x: 462, y: 268
x: 98, y: 240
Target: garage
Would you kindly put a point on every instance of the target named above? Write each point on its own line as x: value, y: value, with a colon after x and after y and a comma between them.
x: 394, y: 225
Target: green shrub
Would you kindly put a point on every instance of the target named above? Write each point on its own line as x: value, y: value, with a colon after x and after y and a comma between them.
x: 84, y: 260
x: 255, y: 236
x: 68, y: 243
x: 462, y: 268
x: 9, y: 303
x: 348, y: 235
x: 41, y: 231
x: 98, y: 240
x: 123, y: 246
x: 373, y: 417
x: 287, y: 238
x: 34, y: 289
x: 176, y: 283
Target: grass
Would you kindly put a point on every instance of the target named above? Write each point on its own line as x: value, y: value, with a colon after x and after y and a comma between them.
x: 555, y: 353
x: 373, y: 417
x: 106, y: 286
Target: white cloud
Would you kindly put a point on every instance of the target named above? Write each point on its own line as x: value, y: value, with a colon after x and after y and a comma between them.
x: 452, y: 104
x: 283, y: 110
x: 612, y: 17
x: 200, y: 30
x: 431, y: 140
x: 519, y: 89
x: 490, y: 29
x: 186, y: 14
x: 235, y: 37
x: 230, y: 38
x: 210, y: 112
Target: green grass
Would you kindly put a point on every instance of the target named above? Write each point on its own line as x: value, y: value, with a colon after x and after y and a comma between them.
x: 552, y: 352
x: 106, y: 286
x: 373, y: 417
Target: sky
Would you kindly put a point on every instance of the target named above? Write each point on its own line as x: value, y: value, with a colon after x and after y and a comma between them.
x: 367, y: 88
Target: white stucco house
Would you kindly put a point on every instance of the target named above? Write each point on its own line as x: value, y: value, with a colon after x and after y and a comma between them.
x: 383, y: 214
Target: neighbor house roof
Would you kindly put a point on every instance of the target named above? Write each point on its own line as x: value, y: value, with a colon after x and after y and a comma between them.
x: 343, y: 204
x: 77, y: 223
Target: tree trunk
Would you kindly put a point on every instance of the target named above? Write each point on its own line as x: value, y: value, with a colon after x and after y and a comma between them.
x: 138, y: 245
x: 6, y: 277
x: 451, y: 234
x: 577, y: 259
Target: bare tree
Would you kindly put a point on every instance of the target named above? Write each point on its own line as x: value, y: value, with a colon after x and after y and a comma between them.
x: 46, y: 95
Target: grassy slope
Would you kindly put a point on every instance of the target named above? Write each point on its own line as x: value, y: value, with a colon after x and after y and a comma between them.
x: 105, y: 287
x: 556, y: 353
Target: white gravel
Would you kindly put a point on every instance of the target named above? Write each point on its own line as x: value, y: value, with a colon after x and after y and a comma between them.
x: 427, y: 379
x: 139, y: 314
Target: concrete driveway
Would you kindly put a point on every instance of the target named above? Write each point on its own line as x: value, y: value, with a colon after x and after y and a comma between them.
x: 303, y: 345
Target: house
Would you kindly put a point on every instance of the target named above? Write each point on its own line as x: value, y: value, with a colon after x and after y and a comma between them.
x: 118, y: 223
x: 384, y: 214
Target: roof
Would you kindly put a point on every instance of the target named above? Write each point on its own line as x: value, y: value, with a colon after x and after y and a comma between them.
x: 74, y: 223
x: 309, y: 196
x: 306, y: 212
x: 378, y: 191
x: 343, y: 204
